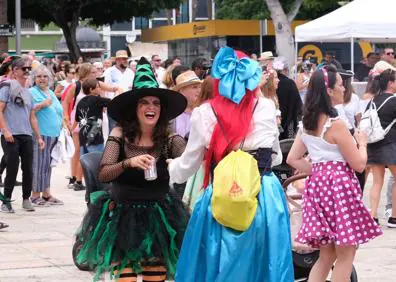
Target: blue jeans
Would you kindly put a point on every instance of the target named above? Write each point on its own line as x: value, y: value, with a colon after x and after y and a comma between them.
x: 91, y: 148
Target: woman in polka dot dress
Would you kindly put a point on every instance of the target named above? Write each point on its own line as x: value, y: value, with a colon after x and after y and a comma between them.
x: 335, y: 219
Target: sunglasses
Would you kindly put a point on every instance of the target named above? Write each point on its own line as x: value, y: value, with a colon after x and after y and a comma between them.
x: 390, y: 53
x: 158, y: 60
x: 25, y: 69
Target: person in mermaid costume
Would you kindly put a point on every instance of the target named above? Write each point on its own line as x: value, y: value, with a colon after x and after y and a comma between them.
x: 245, y: 119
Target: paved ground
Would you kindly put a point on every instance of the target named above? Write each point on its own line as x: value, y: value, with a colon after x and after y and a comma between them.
x: 37, y: 246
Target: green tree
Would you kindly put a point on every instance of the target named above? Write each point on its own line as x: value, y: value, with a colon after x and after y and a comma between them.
x: 282, y: 13
x: 257, y: 9
x: 3, y: 20
x: 67, y: 14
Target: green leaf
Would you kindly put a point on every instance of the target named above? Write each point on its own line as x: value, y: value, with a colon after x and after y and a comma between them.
x: 257, y: 9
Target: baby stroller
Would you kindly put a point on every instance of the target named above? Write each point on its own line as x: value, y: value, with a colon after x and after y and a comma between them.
x: 90, y: 163
x: 304, y: 257
x: 284, y: 171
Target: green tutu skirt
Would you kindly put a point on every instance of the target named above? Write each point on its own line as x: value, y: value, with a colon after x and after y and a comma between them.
x: 4, y: 199
x: 119, y: 235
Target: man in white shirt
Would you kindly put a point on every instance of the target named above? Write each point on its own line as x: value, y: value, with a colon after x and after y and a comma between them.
x: 158, y: 70
x: 119, y: 74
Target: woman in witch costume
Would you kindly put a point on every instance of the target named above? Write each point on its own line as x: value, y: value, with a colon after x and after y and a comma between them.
x: 247, y: 120
x: 138, y: 227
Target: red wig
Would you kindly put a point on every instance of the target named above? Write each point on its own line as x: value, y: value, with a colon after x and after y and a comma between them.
x: 236, y: 120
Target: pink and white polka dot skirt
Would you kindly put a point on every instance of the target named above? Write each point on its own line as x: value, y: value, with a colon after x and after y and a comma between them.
x: 333, y: 211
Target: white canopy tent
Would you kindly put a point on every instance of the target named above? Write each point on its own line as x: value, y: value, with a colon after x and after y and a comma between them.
x: 369, y: 20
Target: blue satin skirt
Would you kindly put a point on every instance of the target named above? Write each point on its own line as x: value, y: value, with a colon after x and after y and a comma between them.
x: 214, y: 253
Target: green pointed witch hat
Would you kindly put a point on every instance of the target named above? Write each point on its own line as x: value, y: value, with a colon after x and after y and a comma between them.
x: 145, y: 84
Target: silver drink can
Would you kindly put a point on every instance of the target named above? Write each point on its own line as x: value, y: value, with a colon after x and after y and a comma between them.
x: 151, y: 173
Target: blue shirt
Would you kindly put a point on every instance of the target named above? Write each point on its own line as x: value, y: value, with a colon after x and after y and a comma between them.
x: 17, y: 116
x: 49, y: 118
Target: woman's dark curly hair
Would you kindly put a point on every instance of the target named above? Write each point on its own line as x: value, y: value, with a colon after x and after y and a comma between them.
x: 131, y: 128
x: 317, y: 100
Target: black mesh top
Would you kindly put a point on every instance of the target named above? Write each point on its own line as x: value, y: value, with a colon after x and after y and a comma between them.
x: 129, y: 183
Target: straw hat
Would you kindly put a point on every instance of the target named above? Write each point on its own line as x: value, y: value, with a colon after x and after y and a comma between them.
x: 185, y: 79
x: 145, y: 84
x: 381, y: 66
x: 266, y: 56
x: 35, y: 64
x: 121, y: 54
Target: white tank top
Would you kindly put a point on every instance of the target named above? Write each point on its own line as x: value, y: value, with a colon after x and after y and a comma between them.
x: 318, y: 148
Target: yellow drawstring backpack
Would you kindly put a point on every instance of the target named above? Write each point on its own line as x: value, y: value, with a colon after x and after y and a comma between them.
x: 236, y: 184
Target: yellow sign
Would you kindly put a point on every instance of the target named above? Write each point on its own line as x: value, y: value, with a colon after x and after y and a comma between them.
x: 197, y: 29
x: 207, y: 29
x: 366, y: 48
x: 294, y: 24
x: 309, y: 51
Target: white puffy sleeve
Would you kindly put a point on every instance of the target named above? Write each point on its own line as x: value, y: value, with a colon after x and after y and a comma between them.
x: 180, y: 169
x: 278, y: 157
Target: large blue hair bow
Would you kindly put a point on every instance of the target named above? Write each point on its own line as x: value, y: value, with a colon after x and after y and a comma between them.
x: 235, y: 75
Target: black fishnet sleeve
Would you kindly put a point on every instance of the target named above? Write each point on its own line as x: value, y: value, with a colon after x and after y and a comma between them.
x: 178, y: 145
x: 110, y: 167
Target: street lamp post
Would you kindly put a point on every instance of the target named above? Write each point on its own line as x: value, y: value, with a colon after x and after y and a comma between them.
x: 18, y: 26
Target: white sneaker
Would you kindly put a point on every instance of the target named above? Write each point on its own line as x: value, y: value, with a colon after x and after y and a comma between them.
x: 27, y: 205
x: 388, y: 213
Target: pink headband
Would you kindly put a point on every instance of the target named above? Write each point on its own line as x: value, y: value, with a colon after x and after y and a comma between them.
x: 326, y: 77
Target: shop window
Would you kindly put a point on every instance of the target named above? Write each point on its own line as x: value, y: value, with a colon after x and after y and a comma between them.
x: 182, y: 15
x: 202, y: 9
x: 121, y: 26
x: 160, y: 14
x: 141, y: 23
x: 158, y: 23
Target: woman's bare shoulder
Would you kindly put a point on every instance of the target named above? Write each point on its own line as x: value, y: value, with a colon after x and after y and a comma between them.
x: 338, y: 128
x: 367, y: 96
x: 116, y: 132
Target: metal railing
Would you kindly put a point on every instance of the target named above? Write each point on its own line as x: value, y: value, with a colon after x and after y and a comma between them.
x: 27, y: 25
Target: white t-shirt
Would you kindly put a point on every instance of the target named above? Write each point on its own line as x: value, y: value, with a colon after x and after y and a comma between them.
x: 160, y: 75
x: 115, y: 77
x: 348, y: 112
x: 363, y: 105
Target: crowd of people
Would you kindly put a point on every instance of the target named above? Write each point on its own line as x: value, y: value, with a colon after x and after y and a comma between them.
x: 353, y: 107
x: 186, y: 121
